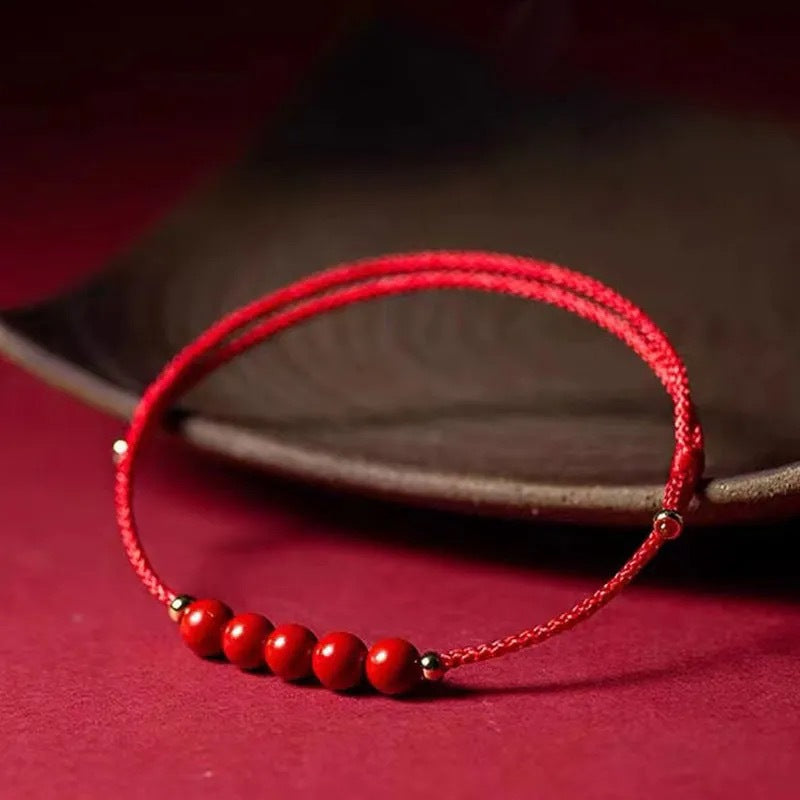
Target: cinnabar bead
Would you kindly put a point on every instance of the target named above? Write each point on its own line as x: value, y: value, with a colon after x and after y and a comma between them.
x: 288, y: 650
x: 338, y: 661
x: 243, y: 640
x: 393, y: 666
x: 202, y: 626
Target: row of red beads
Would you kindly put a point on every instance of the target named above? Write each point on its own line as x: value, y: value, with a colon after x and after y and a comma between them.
x: 340, y: 661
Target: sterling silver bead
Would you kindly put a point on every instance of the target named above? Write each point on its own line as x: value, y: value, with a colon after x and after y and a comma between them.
x: 178, y: 605
x: 432, y: 666
x: 118, y: 450
x: 668, y: 524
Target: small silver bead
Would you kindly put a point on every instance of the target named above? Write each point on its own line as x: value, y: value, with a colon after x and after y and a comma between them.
x: 178, y: 605
x: 432, y: 667
x: 118, y: 450
x: 668, y: 524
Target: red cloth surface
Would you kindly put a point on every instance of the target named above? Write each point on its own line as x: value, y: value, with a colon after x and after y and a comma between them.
x: 685, y: 687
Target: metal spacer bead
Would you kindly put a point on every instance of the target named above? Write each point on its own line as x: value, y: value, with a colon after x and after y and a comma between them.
x: 178, y: 606
x: 118, y: 450
x: 668, y: 524
x: 432, y: 667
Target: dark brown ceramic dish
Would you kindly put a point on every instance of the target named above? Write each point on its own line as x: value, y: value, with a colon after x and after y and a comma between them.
x: 474, y: 402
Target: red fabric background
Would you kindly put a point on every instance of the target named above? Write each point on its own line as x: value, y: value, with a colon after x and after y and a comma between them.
x: 686, y: 687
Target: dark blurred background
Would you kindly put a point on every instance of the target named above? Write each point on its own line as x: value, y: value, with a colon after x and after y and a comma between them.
x: 109, y: 112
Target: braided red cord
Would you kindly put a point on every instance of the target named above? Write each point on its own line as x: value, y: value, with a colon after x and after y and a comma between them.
x: 392, y: 275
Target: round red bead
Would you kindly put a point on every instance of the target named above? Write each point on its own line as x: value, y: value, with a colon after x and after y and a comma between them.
x: 393, y: 666
x: 287, y: 651
x: 243, y: 640
x: 338, y: 661
x: 202, y: 626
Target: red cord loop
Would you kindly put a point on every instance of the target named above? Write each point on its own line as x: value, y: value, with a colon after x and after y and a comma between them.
x: 401, y: 274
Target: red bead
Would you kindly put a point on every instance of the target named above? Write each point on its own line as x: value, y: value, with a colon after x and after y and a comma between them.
x: 202, y: 626
x: 287, y: 651
x: 338, y: 661
x: 243, y: 640
x: 393, y: 666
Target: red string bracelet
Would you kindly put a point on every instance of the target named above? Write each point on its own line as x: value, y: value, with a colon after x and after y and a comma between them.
x: 341, y: 661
